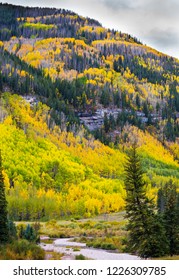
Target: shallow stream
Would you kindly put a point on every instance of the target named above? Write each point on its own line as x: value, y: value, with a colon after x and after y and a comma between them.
x: 68, y: 247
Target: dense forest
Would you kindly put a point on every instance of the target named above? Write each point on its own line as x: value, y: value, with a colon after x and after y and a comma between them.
x: 74, y: 98
x: 76, y: 66
x: 70, y: 174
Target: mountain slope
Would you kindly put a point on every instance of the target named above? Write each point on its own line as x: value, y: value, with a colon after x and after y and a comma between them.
x: 43, y: 177
x: 90, y: 68
x: 50, y: 174
x: 79, y: 79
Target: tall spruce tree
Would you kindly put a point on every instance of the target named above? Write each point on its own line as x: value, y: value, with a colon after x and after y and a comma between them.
x: 146, y: 236
x: 168, y: 205
x: 4, y: 231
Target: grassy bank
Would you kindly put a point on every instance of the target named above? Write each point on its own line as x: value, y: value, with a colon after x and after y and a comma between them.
x: 21, y: 250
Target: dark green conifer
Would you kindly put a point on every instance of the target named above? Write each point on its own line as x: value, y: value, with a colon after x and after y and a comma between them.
x: 3, y: 208
x: 12, y: 230
x: 146, y: 235
x: 168, y: 205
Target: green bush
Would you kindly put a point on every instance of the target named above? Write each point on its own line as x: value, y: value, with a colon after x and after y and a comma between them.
x: 101, y: 244
x: 100, y: 226
x: 21, y: 250
x: 108, y: 246
x: 29, y: 233
x: 76, y: 249
x: 80, y: 257
x: 72, y: 225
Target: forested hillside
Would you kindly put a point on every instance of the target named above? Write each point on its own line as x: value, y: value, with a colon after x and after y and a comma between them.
x: 74, y: 96
x: 50, y: 174
x: 86, y: 68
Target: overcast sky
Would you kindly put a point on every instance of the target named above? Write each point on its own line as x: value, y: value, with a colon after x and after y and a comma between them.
x: 154, y: 22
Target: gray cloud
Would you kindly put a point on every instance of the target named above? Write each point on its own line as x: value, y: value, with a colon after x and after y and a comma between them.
x: 162, y: 38
x: 117, y: 4
x: 140, y: 4
x: 155, y: 22
x: 128, y: 4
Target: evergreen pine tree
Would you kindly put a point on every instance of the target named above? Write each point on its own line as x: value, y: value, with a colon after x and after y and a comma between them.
x: 106, y: 123
x: 138, y: 102
x: 30, y: 234
x: 12, y: 230
x: 168, y: 205
x: 3, y: 208
x: 146, y: 235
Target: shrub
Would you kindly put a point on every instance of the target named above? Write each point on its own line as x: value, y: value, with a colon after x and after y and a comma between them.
x: 72, y: 225
x: 21, y: 250
x: 100, y: 226
x: 108, y: 246
x: 29, y: 233
x: 76, y: 249
x: 101, y: 244
x: 80, y: 257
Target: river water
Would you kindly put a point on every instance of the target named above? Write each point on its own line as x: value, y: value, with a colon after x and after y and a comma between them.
x: 66, y: 246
